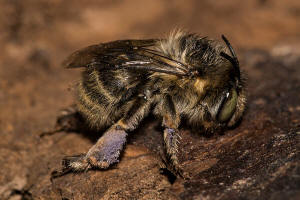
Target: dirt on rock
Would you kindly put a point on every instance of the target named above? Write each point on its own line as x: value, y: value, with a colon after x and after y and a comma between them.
x: 258, y: 159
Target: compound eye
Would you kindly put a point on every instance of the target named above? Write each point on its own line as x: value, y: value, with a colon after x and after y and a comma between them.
x: 228, y: 107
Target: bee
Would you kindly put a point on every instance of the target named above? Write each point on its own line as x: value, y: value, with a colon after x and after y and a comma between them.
x: 182, y: 78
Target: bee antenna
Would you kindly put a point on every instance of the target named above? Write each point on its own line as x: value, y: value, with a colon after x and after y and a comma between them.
x: 229, y: 46
x: 234, y: 60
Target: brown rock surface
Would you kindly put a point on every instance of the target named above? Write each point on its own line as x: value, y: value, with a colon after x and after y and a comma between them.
x: 259, y: 159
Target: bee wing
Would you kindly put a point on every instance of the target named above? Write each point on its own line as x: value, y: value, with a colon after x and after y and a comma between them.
x: 127, y: 54
x: 93, y: 53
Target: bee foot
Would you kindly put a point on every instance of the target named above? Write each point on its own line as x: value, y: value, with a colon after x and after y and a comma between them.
x: 77, y: 163
x: 172, y: 137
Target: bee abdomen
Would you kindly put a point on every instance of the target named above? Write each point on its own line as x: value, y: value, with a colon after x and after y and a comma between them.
x: 95, y: 102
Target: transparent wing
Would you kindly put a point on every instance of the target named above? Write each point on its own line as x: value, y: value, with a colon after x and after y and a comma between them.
x: 127, y: 54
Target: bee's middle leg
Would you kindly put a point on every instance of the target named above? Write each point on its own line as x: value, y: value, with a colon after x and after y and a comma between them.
x: 109, y: 147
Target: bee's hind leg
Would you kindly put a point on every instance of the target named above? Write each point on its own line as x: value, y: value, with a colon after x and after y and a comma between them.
x: 108, y: 148
x: 68, y: 120
x: 76, y: 163
x: 103, y: 154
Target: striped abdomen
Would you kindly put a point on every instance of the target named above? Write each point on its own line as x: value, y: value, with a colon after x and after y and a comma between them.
x: 104, y: 96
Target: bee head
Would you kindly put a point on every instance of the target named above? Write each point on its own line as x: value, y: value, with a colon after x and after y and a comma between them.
x: 228, y: 101
x: 216, y: 74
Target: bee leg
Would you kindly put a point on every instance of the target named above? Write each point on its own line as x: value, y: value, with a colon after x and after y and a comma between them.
x: 74, y: 163
x: 108, y: 148
x: 103, y: 154
x: 68, y: 120
x: 171, y: 122
x: 171, y: 139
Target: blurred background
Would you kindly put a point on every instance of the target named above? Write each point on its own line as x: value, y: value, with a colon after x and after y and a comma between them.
x: 37, y: 35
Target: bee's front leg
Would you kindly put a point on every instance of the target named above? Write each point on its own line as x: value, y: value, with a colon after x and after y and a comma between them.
x: 171, y: 138
x: 171, y: 122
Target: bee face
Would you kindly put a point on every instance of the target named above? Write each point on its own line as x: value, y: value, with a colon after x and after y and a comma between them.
x: 183, y: 77
x: 221, y: 107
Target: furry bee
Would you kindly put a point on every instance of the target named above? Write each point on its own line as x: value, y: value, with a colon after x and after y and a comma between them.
x: 184, y: 77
